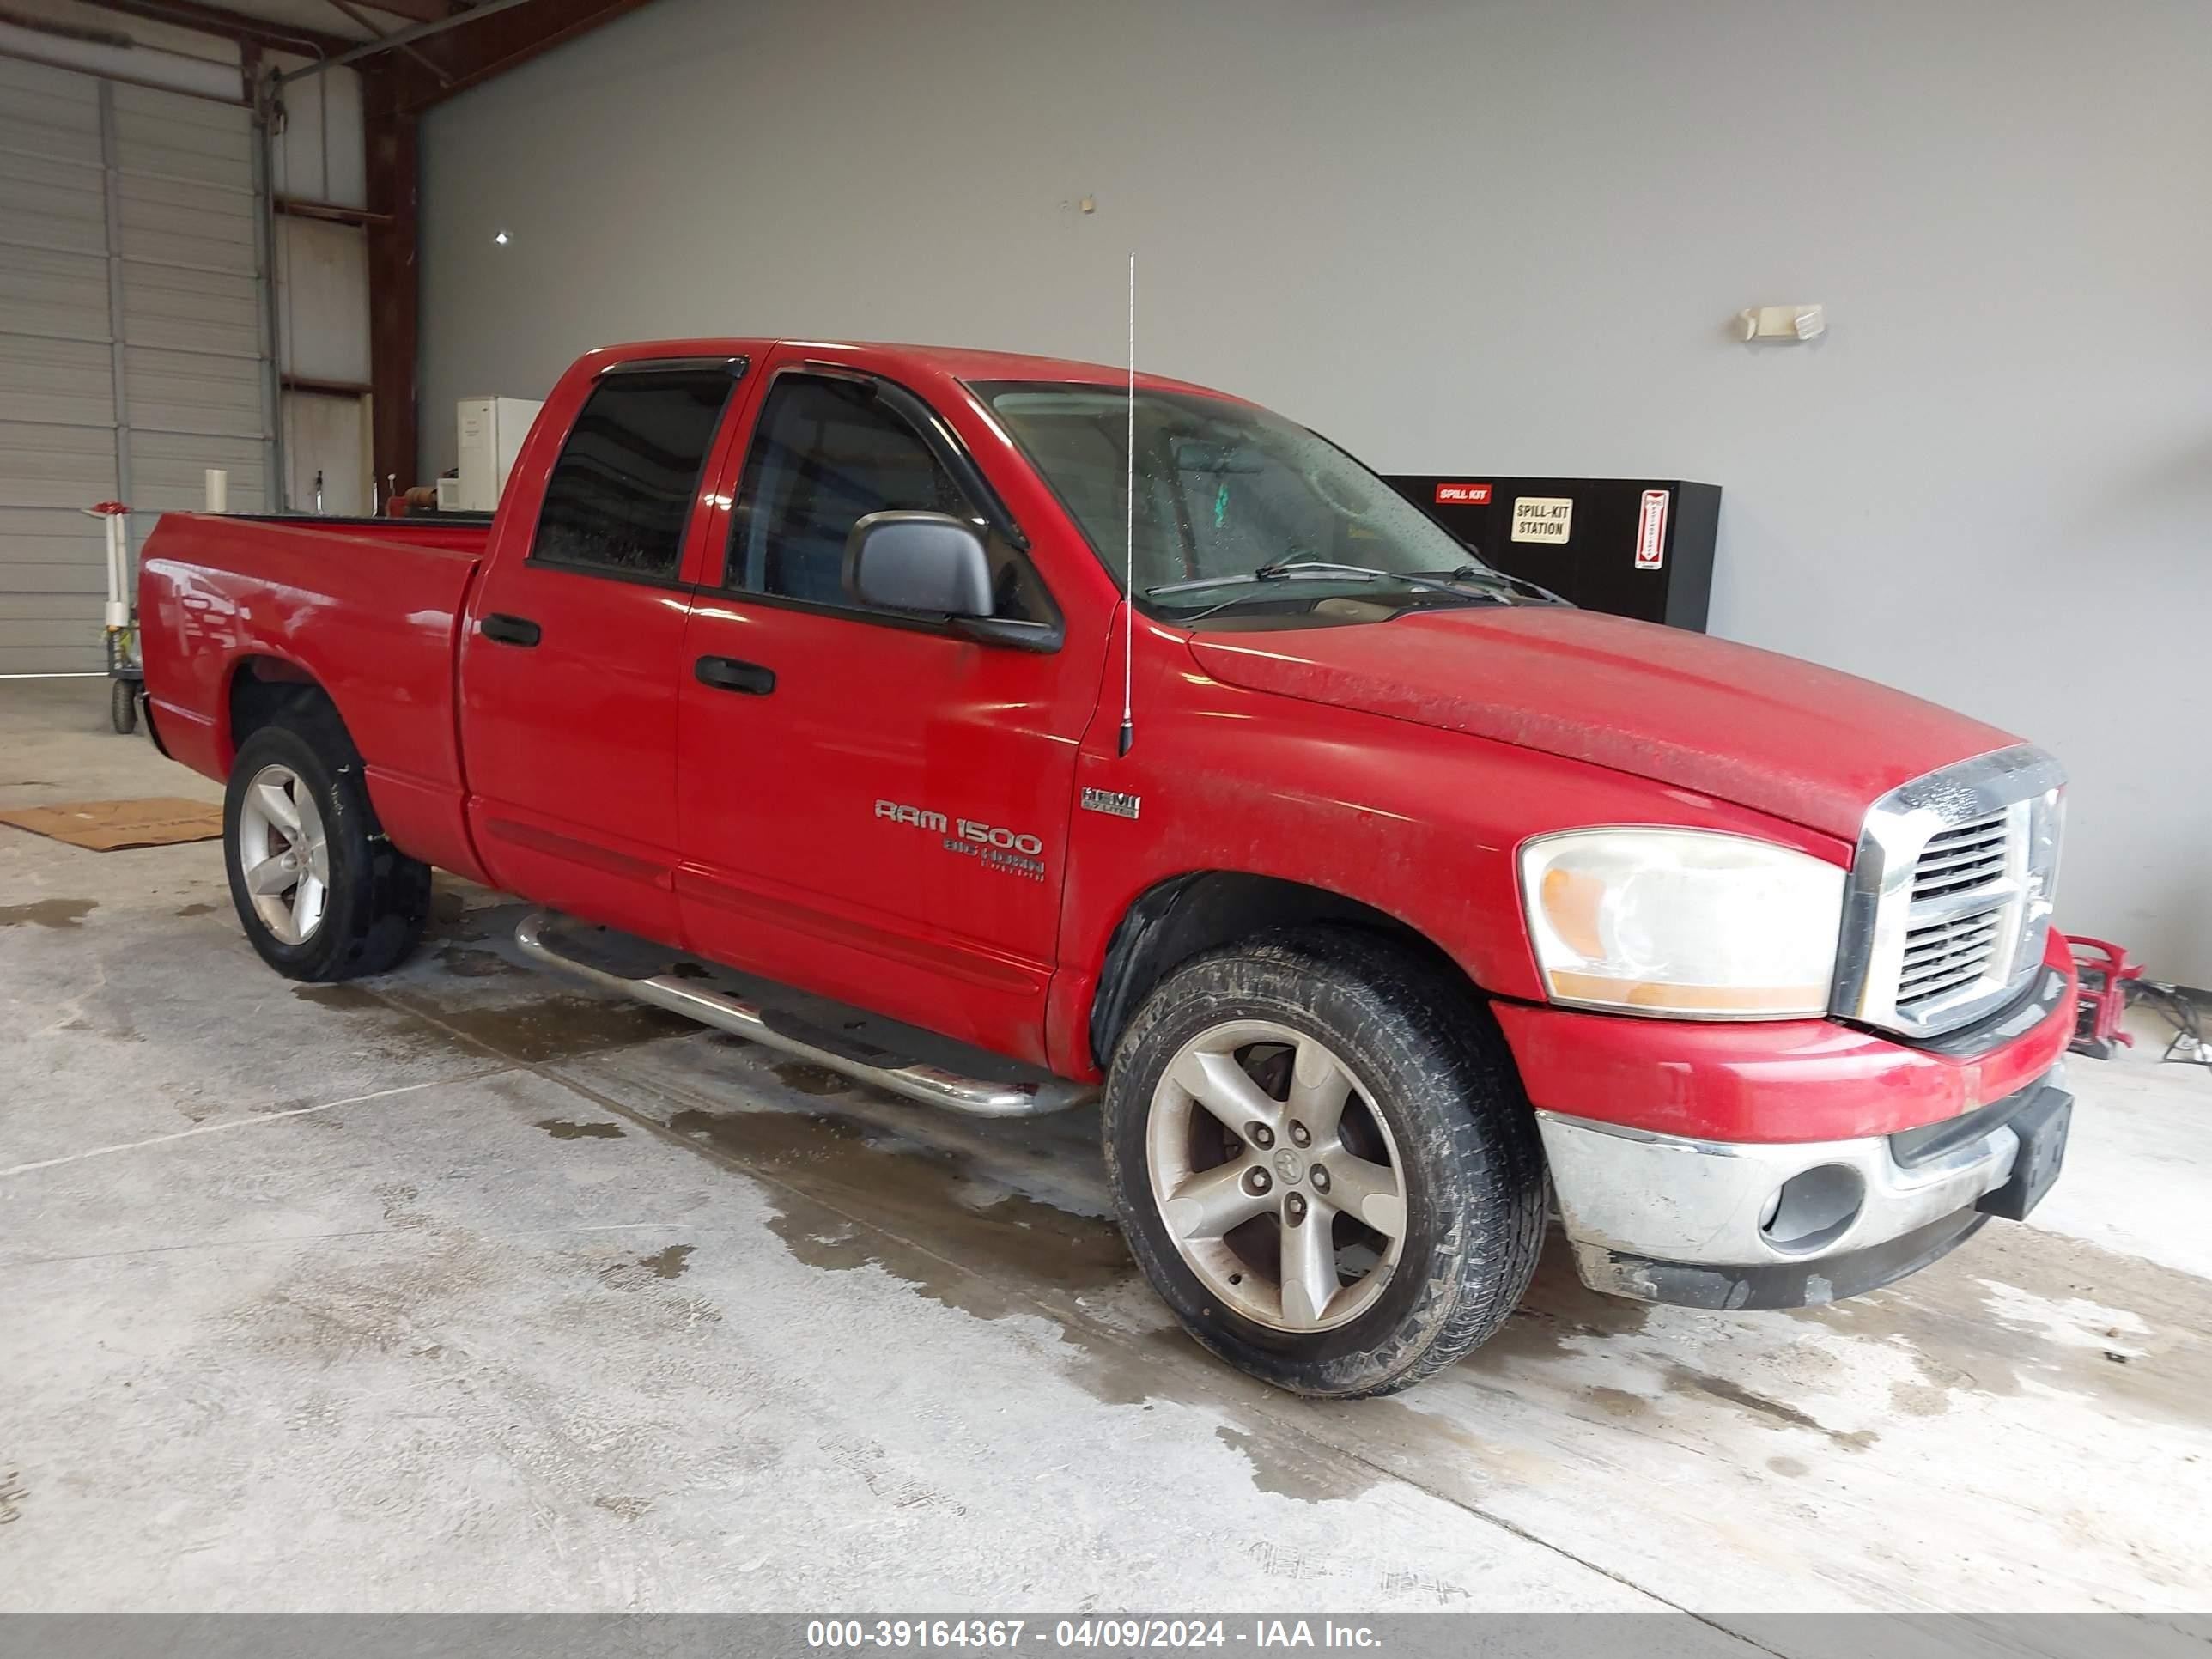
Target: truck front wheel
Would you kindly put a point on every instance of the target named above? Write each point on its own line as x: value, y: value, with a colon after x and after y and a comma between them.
x: 1322, y: 1160
x: 321, y: 893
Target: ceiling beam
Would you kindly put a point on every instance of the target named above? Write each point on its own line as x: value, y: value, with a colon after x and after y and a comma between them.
x: 398, y: 41
x: 416, y: 11
x: 231, y: 25
x: 474, y: 49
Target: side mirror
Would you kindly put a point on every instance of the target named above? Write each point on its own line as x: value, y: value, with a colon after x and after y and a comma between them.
x: 920, y: 562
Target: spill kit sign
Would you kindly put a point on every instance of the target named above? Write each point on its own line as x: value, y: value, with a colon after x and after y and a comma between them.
x: 1651, y: 532
x: 1543, y: 518
x: 1462, y: 495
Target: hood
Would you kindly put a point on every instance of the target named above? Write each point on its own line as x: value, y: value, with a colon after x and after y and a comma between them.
x: 1764, y: 731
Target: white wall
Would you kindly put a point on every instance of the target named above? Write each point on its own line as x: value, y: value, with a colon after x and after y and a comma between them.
x: 1498, y: 238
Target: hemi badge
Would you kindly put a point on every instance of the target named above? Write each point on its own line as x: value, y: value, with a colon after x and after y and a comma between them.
x: 1112, y: 801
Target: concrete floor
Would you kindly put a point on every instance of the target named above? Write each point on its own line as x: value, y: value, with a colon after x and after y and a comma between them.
x: 463, y: 1288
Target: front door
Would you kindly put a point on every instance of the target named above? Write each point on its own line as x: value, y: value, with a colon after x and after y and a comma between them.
x: 571, y: 661
x: 875, y: 807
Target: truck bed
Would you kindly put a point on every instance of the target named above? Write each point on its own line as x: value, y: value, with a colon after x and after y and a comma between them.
x: 369, y: 609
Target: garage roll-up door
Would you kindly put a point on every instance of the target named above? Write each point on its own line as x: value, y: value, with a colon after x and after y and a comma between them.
x: 133, y: 348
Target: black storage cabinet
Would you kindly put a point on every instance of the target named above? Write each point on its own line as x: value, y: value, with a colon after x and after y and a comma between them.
x: 1633, y: 547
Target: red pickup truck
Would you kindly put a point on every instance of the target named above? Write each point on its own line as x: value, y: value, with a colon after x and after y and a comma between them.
x: 1134, y: 741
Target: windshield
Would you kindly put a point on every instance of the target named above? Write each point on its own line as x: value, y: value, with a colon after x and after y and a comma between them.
x: 1223, y: 490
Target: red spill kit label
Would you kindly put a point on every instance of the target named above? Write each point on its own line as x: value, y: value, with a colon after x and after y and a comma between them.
x: 1462, y: 495
x: 1651, y: 532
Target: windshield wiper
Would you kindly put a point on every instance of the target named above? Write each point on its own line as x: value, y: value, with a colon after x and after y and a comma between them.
x: 1483, y: 576
x: 1312, y: 570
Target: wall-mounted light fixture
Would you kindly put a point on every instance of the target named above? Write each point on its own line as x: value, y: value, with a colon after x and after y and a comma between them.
x: 1798, y: 322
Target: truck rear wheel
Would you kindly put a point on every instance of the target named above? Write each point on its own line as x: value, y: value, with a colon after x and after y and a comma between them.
x: 1321, y: 1158
x: 321, y: 892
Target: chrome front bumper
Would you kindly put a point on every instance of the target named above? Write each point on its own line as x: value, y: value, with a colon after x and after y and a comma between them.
x: 1781, y: 1224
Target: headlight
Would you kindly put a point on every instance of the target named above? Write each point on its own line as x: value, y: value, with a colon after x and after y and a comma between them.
x: 1683, y: 922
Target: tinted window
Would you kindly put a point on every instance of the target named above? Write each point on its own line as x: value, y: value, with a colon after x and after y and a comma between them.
x: 621, y: 491
x: 826, y: 453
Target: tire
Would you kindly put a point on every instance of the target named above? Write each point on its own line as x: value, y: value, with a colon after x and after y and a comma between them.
x: 1434, y: 1101
x: 374, y: 901
x: 123, y: 707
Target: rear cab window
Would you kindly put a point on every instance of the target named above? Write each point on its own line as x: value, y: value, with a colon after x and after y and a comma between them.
x: 621, y: 494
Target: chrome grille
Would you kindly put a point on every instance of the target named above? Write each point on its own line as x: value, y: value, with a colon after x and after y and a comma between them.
x: 1942, y: 955
x: 1949, y: 900
x: 1970, y: 855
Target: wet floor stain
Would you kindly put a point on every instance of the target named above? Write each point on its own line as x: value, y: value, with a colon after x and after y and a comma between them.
x: 47, y: 913
x: 849, y: 1194
x: 811, y: 1080
x: 1686, y: 1379
x: 561, y: 1129
x: 1968, y: 1324
x: 1618, y: 1402
x: 12, y: 1494
x: 1000, y: 1253
x: 558, y: 1027
x: 562, y: 1027
x: 1430, y: 1449
x: 463, y: 962
x: 1290, y: 1471
x: 1556, y: 1313
x: 637, y: 1275
x: 691, y: 970
x: 191, y: 910
x: 910, y: 1192
x: 627, y: 1505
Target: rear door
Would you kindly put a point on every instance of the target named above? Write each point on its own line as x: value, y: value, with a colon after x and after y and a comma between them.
x: 571, y: 660
x: 875, y: 807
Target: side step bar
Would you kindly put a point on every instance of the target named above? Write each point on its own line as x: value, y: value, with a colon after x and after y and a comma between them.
x: 931, y: 1085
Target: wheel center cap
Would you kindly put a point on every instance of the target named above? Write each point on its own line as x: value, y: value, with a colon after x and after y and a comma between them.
x: 1290, y: 1166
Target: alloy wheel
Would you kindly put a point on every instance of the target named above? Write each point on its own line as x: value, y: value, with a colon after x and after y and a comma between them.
x: 1277, y: 1179
x: 283, y: 855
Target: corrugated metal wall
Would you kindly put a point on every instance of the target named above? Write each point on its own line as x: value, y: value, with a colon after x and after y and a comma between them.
x: 321, y: 274
x: 133, y: 342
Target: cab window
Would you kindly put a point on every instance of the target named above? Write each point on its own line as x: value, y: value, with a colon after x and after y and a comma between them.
x: 826, y: 452
x: 621, y: 492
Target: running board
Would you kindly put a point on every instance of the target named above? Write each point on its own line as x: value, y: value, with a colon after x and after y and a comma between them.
x: 931, y: 1085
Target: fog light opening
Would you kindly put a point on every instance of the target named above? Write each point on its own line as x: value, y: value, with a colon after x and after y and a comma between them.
x: 1813, y: 1209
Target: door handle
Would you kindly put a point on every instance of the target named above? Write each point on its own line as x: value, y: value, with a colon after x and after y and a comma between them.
x: 509, y: 630
x: 729, y: 674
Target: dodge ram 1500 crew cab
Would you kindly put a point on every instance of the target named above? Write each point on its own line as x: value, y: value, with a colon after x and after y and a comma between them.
x: 1409, y: 897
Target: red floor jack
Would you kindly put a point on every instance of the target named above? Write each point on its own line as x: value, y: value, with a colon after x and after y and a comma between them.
x: 2103, y: 971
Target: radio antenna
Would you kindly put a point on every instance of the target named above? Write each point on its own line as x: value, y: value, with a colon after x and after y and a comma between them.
x: 1129, y: 535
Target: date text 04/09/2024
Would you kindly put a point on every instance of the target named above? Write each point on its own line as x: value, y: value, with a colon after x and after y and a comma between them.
x: 1088, y: 1635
